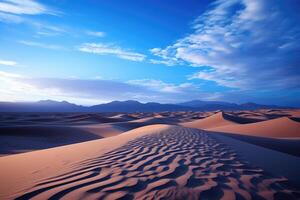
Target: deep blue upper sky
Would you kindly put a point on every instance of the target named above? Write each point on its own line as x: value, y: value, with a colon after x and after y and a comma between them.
x: 94, y: 51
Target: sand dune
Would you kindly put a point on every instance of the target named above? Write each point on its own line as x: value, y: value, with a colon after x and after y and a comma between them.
x: 23, y: 132
x: 123, y: 117
x: 157, y: 161
x: 281, y: 127
x: 145, y: 122
x: 289, y: 146
x: 215, y: 120
x: 57, y: 119
x: 41, y: 164
x: 16, y: 139
x: 156, y: 120
x: 264, y: 114
x: 103, y: 130
x: 91, y: 118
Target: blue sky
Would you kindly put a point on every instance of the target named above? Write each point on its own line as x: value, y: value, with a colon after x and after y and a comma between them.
x: 90, y: 52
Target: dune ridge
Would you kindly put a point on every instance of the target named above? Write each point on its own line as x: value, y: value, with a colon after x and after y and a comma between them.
x: 215, y: 120
x: 281, y: 128
x: 158, y: 161
x: 47, y: 162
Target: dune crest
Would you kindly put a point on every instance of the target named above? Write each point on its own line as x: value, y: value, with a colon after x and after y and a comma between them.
x: 215, y: 120
x: 281, y: 127
x: 44, y: 163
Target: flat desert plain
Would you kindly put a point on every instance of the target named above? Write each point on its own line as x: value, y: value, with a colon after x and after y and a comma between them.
x: 166, y: 155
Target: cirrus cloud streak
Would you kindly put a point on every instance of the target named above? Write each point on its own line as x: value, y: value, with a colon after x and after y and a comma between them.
x: 110, y: 49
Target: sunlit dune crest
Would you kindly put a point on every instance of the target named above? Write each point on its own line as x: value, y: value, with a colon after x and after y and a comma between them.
x: 282, y: 127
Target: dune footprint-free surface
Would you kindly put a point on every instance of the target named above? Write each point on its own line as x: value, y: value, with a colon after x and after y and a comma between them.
x: 173, y: 163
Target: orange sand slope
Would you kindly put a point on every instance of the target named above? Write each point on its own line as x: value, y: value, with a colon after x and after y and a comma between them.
x: 157, y: 161
x: 281, y: 127
x: 212, y: 121
x: 46, y: 163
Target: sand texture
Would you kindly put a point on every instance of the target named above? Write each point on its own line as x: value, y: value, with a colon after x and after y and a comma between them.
x: 167, y: 155
x: 169, y: 163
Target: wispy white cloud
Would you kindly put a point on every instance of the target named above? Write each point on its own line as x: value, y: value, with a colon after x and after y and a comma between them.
x: 26, y: 7
x: 10, y: 63
x: 219, y: 78
x: 41, y: 45
x: 164, y: 54
x: 44, y: 29
x: 13, y: 87
x: 10, y: 18
x: 246, y: 44
x: 23, y: 88
x: 110, y: 49
x: 16, y: 87
x: 96, y: 33
x: 158, y: 85
x: 7, y: 75
x: 19, y: 11
x: 163, y: 62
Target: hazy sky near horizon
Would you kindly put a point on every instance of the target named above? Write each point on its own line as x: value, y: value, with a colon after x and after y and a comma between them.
x: 95, y: 51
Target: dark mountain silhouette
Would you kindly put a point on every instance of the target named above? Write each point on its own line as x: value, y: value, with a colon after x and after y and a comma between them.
x: 199, y: 103
x: 128, y: 106
x: 41, y: 106
x: 135, y: 106
x: 221, y: 105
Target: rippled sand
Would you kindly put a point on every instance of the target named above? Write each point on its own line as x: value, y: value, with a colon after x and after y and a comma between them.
x: 172, y: 163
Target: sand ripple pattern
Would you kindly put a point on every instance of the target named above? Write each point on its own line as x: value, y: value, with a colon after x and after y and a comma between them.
x: 179, y: 163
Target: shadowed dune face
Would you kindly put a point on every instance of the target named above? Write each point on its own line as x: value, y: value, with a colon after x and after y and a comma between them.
x: 58, y: 118
x: 289, y: 146
x: 23, y: 132
x: 16, y: 139
x: 174, y: 163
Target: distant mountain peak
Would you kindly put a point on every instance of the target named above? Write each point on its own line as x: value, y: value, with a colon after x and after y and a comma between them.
x: 132, y: 101
x: 48, y: 101
x: 124, y: 102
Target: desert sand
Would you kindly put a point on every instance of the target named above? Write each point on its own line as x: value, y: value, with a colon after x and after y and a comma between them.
x: 27, y: 132
x: 157, y: 161
x: 282, y: 127
x: 215, y: 120
x: 168, y: 155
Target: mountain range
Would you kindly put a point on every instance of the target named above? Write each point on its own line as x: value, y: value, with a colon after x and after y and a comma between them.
x: 128, y: 106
